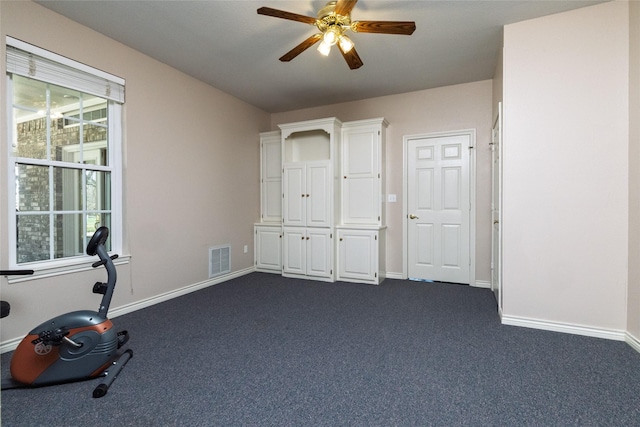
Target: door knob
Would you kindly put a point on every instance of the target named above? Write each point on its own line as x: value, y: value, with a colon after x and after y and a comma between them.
x: 412, y: 216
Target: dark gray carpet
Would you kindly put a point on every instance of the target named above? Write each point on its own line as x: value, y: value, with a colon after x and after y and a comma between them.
x: 262, y: 350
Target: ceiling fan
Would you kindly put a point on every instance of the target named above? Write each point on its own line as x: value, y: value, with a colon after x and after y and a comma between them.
x: 333, y: 21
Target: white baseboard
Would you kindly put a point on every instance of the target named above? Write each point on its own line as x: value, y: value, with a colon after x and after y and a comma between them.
x: 391, y: 275
x: 610, y: 334
x: 482, y: 284
x: 11, y: 344
x: 634, y: 342
x: 138, y: 305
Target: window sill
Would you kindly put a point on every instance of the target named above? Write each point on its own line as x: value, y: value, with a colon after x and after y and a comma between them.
x: 60, y: 270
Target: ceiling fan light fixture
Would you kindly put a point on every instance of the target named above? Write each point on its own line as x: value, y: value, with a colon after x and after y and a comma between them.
x: 345, y: 44
x: 331, y: 36
x: 324, y: 48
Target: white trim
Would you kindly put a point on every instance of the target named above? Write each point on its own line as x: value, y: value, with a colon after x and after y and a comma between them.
x: 36, y: 63
x: 148, y: 302
x: 472, y: 196
x: 485, y: 284
x: 61, y: 268
x: 62, y: 59
x: 391, y: 275
x: 114, y: 167
x: 567, y: 328
x: 633, y: 341
x: 11, y: 344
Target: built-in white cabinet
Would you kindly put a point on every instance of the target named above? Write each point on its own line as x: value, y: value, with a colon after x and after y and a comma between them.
x: 363, y: 147
x: 307, y: 194
x: 307, y: 253
x: 361, y: 255
x: 270, y: 177
x: 268, y: 247
x: 361, y: 233
x: 310, y: 198
x: 322, y: 213
x: 267, y: 243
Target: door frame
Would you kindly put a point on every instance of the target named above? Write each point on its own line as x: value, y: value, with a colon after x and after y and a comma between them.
x: 471, y: 133
x: 496, y: 202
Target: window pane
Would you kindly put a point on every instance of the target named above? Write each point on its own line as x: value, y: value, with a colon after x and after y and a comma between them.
x: 29, y: 136
x: 33, y: 238
x: 67, y: 189
x: 98, y: 191
x: 95, y: 221
x: 32, y: 188
x: 95, y: 153
x: 29, y: 112
x: 65, y: 131
x: 67, y: 235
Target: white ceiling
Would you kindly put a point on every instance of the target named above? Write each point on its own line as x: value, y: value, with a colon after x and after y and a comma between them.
x: 228, y: 45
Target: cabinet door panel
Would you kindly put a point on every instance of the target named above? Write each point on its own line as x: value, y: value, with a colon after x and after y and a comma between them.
x: 271, y: 178
x: 319, y: 252
x: 294, y: 251
x: 294, y: 188
x: 268, y: 248
x: 358, y: 255
x: 361, y: 153
x: 361, y: 200
x: 319, y: 191
x: 272, y: 201
x: 361, y: 176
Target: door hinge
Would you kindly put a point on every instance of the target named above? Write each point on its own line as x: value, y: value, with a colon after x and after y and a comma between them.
x: 376, y: 237
x: 331, y: 236
x: 375, y: 275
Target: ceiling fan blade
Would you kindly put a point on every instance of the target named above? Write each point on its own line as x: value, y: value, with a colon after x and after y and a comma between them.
x: 286, y: 15
x: 344, y: 7
x: 301, y: 48
x: 384, y: 27
x: 352, y: 58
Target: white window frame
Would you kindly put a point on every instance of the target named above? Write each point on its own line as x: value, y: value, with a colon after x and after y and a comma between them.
x: 93, y: 78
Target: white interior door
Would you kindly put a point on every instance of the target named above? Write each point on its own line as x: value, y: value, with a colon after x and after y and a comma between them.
x: 496, y: 193
x: 438, y: 207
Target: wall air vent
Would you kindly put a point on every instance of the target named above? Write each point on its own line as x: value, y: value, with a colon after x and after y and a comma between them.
x: 219, y: 260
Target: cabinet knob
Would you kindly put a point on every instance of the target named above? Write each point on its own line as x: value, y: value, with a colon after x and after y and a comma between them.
x: 341, y: 239
x: 307, y: 195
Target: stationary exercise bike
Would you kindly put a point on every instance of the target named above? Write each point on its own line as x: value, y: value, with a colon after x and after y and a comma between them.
x: 75, y: 346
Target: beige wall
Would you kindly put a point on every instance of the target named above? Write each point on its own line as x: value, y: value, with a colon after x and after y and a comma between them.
x: 566, y: 168
x: 633, y: 306
x: 191, y: 173
x: 465, y: 106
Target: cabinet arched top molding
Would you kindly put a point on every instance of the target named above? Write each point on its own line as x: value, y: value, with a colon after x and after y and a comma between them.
x: 328, y: 125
